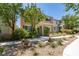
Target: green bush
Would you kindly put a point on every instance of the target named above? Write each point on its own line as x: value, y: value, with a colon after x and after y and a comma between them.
x: 27, y: 34
x: 23, y: 34
x: 33, y: 34
x: 46, y: 31
x: 18, y: 34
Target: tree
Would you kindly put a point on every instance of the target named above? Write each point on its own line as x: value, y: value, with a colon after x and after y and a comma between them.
x: 9, y: 13
x: 33, y: 15
x: 72, y: 6
x: 70, y: 21
x: 75, y: 8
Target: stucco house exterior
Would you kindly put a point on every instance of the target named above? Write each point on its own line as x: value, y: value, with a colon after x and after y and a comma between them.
x: 52, y: 24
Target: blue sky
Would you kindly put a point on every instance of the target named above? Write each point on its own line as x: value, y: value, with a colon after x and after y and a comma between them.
x: 55, y: 10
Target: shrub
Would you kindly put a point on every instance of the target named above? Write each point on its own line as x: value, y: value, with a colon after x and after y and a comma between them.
x: 27, y: 34
x: 1, y: 50
x: 75, y: 31
x: 41, y: 44
x: 49, y: 40
x: 68, y: 31
x: 35, y: 53
x: 46, y: 31
x: 33, y: 34
x: 32, y: 48
x: 18, y: 34
x: 54, y: 44
x: 59, y: 42
x: 48, y: 43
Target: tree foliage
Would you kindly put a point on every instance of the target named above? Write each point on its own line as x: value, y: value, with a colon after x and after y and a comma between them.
x: 72, y: 6
x: 70, y: 21
x: 8, y: 13
x: 75, y: 8
x: 33, y: 15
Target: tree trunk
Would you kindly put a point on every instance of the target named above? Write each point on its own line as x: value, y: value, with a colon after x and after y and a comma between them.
x: 33, y: 25
x: 13, y: 28
x: 22, y: 22
x: 13, y: 24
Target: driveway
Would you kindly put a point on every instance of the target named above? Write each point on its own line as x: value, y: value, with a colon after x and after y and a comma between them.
x: 73, y: 48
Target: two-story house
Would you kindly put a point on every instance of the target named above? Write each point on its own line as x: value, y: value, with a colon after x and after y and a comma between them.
x: 52, y: 24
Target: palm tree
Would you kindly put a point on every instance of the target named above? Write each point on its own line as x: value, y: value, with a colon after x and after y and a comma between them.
x: 33, y: 15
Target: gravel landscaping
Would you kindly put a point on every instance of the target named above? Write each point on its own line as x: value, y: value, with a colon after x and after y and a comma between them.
x: 38, y: 50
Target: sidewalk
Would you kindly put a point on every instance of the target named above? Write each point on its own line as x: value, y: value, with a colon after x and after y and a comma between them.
x: 73, y: 48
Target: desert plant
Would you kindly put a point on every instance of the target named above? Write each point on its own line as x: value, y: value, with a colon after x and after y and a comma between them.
x: 54, y: 44
x: 1, y: 50
x: 32, y: 48
x: 35, y: 53
x: 26, y: 44
x: 59, y: 42
x: 64, y: 39
x: 49, y: 40
x: 48, y: 43
x: 41, y: 44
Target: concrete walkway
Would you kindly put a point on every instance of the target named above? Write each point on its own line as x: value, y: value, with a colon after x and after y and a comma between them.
x: 33, y: 40
x: 57, y: 36
x: 9, y: 43
x: 73, y: 48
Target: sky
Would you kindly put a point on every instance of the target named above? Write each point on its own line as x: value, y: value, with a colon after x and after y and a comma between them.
x: 55, y: 10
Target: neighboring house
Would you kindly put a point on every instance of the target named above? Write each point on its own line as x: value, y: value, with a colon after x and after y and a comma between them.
x: 52, y: 24
x: 62, y: 25
x: 56, y: 25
